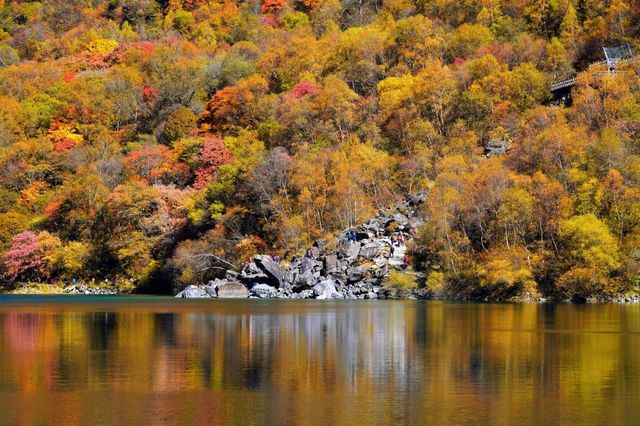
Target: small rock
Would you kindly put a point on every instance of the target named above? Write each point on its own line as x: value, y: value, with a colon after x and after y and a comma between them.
x: 306, y: 294
x: 263, y: 291
x: 193, y: 292
x: 211, y: 290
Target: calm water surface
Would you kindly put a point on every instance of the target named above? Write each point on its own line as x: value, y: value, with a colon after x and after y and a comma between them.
x: 140, y: 360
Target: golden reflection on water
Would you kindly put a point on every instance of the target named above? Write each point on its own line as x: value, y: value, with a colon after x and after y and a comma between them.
x: 162, y: 361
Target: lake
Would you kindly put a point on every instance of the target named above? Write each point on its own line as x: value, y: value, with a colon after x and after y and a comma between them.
x: 152, y: 360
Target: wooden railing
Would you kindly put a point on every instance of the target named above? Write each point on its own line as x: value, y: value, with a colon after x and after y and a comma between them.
x: 569, y: 82
x: 564, y: 83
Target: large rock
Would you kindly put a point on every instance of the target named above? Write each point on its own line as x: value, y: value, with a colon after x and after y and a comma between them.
x: 270, y: 268
x: 193, y: 292
x: 308, y: 264
x: 363, y: 234
x: 251, y: 274
x: 263, y: 291
x: 232, y: 275
x: 496, y: 147
x: 401, y: 219
x: 348, y: 249
x: 355, y: 273
x: 232, y: 291
x: 305, y: 281
x: 381, y: 261
x: 326, y: 290
x: 330, y: 263
x: 371, y: 250
x: 212, y: 287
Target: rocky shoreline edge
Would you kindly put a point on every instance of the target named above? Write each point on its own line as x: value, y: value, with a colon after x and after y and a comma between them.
x: 360, y: 263
x: 366, y: 262
x: 218, y: 289
x: 55, y: 289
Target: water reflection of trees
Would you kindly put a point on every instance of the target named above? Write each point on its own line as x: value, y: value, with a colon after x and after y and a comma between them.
x: 393, y: 362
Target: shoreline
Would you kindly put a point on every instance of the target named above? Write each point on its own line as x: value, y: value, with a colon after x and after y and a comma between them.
x: 84, y: 290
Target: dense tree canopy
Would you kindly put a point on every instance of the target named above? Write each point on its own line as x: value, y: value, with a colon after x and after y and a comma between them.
x: 154, y: 140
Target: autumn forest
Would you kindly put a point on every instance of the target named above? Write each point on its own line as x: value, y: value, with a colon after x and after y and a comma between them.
x: 139, y: 136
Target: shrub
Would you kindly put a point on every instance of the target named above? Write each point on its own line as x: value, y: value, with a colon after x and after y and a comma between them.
x: 400, y: 280
x: 179, y: 124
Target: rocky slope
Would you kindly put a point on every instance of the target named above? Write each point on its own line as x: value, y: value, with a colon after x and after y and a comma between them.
x: 353, y: 266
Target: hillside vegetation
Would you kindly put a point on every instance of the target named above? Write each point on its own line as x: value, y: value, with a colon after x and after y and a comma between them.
x: 158, y: 142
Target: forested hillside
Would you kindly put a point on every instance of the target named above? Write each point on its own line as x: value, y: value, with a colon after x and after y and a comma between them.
x: 151, y: 142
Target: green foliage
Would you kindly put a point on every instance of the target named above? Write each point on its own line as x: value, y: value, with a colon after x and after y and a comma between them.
x: 183, y: 21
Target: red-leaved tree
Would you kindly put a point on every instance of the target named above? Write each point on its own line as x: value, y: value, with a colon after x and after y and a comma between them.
x: 303, y: 89
x: 213, y: 154
x: 155, y: 164
x: 24, y: 259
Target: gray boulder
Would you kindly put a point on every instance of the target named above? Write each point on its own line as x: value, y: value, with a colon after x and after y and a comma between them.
x: 496, y: 147
x: 270, y: 268
x: 401, y: 219
x: 371, y: 250
x: 231, y: 275
x: 355, y: 273
x: 305, y: 281
x: 193, y: 292
x: 304, y: 294
x: 212, y: 287
x: 348, y: 249
x: 423, y: 293
x: 308, y: 264
x: 263, y: 291
x: 330, y: 263
x: 232, y: 291
x: 381, y: 261
x: 326, y: 290
x: 252, y: 274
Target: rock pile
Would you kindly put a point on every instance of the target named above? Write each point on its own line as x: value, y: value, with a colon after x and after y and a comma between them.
x: 353, y: 266
x: 85, y: 289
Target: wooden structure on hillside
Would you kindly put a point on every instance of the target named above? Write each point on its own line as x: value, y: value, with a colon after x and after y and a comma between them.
x: 561, y: 90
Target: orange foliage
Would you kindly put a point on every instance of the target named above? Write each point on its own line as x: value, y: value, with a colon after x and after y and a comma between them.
x: 150, y: 95
x: 231, y: 107
x: 155, y: 164
x: 308, y: 4
x: 273, y: 6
